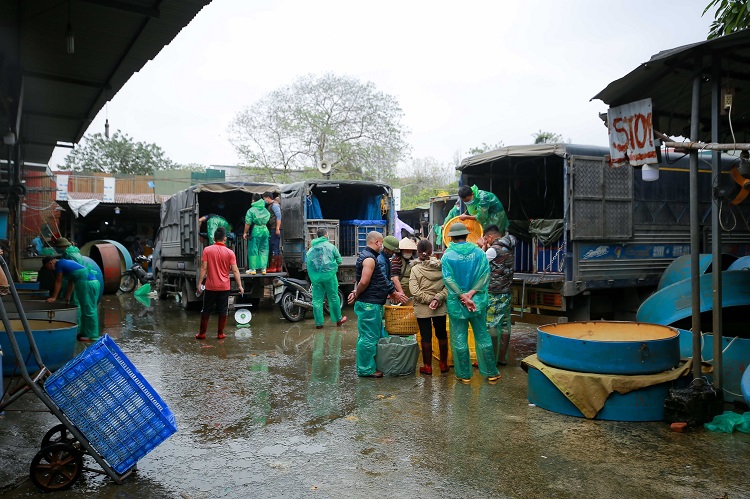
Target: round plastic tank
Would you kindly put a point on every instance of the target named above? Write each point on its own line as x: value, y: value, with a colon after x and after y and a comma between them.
x: 609, y: 347
x: 56, y: 341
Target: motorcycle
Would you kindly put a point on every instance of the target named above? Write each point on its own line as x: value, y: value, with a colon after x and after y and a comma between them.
x: 294, y: 298
x: 136, y: 274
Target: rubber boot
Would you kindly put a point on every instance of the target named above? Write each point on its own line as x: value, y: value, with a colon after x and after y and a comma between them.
x: 426, y: 358
x: 204, y: 327
x: 222, y: 323
x: 280, y: 263
x: 443, y: 345
x: 277, y: 263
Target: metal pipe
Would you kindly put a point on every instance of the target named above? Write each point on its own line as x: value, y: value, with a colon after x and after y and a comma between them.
x: 715, y: 224
x: 703, y: 146
x: 695, y: 290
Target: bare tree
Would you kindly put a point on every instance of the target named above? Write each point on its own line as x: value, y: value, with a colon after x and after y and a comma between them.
x: 337, y: 119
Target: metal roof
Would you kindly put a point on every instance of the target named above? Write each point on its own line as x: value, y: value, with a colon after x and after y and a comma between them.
x: 58, y: 93
x: 124, y: 199
x: 667, y: 79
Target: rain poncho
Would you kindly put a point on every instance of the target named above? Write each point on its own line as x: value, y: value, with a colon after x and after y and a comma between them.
x: 86, y: 289
x: 257, y: 248
x: 370, y: 326
x: 73, y: 253
x: 488, y: 209
x: 323, y: 260
x: 465, y: 268
x: 213, y: 223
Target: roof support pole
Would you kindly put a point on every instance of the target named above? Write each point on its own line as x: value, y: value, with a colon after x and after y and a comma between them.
x: 695, y: 289
x: 715, y: 222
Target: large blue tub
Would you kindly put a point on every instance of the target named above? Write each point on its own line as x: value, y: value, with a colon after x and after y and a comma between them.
x: 735, y: 360
x: 56, y: 341
x: 609, y: 347
x: 646, y: 404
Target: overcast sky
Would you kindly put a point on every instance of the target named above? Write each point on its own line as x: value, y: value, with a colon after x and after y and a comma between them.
x: 464, y: 73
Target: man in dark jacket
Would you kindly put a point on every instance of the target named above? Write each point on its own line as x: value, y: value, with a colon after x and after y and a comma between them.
x: 369, y: 296
x: 500, y: 251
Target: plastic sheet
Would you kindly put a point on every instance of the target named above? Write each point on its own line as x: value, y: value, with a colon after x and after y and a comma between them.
x: 730, y: 421
x: 397, y: 356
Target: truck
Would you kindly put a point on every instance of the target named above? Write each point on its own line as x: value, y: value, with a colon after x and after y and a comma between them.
x: 593, y: 239
x: 349, y: 209
x: 180, y: 239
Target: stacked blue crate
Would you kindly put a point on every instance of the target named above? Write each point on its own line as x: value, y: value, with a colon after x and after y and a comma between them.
x: 354, y: 234
x: 112, y: 404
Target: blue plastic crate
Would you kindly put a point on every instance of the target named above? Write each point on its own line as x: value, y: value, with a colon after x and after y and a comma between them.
x: 112, y: 404
x: 353, y: 234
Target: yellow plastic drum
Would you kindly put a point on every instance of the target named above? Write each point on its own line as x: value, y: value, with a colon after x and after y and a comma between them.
x: 474, y: 227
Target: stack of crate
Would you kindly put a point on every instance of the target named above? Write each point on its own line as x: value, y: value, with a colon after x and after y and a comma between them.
x: 354, y: 234
x: 330, y: 224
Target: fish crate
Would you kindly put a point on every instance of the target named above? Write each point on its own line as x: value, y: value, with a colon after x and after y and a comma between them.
x: 112, y: 404
x: 354, y: 234
x: 549, y: 259
x: 330, y: 224
x: 524, y: 254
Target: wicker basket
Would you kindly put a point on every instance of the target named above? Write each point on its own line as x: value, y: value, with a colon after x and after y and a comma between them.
x: 474, y: 228
x: 400, y: 320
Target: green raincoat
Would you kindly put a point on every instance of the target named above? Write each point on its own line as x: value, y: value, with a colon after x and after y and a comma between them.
x: 465, y: 268
x: 214, y: 223
x: 257, y: 247
x: 488, y: 209
x: 73, y: 253
x: 323, y: 260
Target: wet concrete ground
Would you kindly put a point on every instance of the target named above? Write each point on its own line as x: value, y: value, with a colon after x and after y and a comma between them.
x: 276, y: 410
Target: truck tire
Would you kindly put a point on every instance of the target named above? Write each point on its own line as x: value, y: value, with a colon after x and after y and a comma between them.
x: 184, y: 297
x: 161, y: 289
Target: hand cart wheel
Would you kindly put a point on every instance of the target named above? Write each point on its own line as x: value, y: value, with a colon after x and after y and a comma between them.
x: 60, y: 434
x: 56, y: 467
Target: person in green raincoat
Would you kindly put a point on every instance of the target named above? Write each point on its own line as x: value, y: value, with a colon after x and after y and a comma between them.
x: 467, y: 275
x: 86, y: 287
x: 323, y: 260
x: 69, y: 252
x: 257, y: 249
x: 213, y: 222
x: 484, y: 207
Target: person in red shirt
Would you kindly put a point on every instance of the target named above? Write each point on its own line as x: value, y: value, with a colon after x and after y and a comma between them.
x: 216, y: 262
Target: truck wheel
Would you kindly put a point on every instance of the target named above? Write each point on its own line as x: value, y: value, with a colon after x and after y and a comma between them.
x: 184, y: 297
x: 161, y: 289
x: 127, y: 283
x: 289, y: 310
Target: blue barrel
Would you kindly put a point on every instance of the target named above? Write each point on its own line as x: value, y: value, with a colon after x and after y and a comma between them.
x: 609, y: 347
x: 734, y: 360
x: 745, y: 384
x: 56, y: 341
x: 646, y: 404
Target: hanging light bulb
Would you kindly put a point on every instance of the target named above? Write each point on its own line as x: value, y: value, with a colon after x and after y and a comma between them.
x: 117, y: 210
x: 106, y: 128
x: 70, y: 40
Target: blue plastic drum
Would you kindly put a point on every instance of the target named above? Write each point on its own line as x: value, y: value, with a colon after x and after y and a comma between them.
x: 56, y: 341
x: 609, y: 347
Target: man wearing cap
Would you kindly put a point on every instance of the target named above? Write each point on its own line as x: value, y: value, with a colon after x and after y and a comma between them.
x: 213, y: 222
x: 87, y: 291
x: 389, y: 249
x: 466, y: 276
x: 500, y: 252
x: 484, y: 207
x: 401, y: 264
x: 369, y: 295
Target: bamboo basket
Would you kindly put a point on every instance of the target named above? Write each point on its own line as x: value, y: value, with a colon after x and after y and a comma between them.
x: 400, y: 320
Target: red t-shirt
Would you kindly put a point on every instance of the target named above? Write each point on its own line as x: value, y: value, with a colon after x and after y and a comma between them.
x: 219, y: 259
